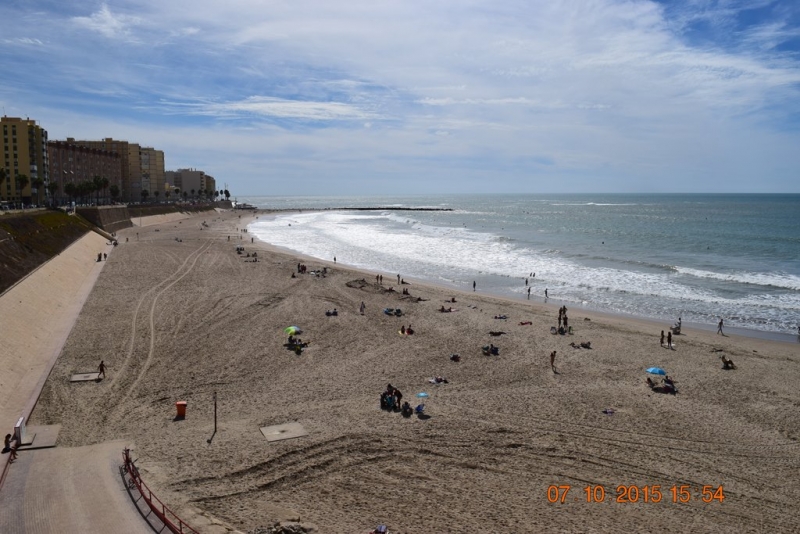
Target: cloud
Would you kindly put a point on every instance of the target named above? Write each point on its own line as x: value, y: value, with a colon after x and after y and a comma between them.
x: 107, y: 23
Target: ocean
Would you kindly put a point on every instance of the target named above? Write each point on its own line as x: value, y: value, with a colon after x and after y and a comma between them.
x: 655, y: 256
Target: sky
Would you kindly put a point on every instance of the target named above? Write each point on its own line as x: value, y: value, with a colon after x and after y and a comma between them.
x: 410, y: 97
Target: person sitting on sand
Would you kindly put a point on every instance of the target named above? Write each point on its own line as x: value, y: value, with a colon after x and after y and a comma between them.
x: 455, y: 358
x: 442, y: 310
x: 501, y: 316
x: 651, y: 383
x: 453, y: 300
x: 407, y: 410
x: 586, y: 344
x: 726, y: 363
x: 403, y: 329
x: 409, y: 330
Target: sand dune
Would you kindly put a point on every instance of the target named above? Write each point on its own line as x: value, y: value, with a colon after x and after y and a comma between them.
x: 182, y: 320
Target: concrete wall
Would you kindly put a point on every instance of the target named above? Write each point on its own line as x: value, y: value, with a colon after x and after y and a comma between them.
x: 109, y: 218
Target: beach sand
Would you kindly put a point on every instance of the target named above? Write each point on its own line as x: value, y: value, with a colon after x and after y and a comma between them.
x: 182, y: 320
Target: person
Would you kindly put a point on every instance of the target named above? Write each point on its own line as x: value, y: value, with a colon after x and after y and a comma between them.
x: 403, y: 329
x: 453, y: 299
x: 362, y: 307
x: 553, y: 361
x: 13, y: 452
x: 398, y: 279
x: 545, y: 292
x: 409, y: 331
x: 726, y: 363
x: 102, y: 369
x: 650, y: 383
x: 334, y: 259
x: 662, y: 338
x: 529, y: 293
x: 473, y: 285
x: 719, y: 327
x: 526, y: 281
x: 406, y: 409
x: 669, y: 340
x: 455, y: 358
x: 7, y: 443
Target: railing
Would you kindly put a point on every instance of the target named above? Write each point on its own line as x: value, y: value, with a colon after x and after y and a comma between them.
x: 174, y: 523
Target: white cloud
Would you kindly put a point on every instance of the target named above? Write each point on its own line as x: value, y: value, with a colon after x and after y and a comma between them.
x: 107, y: 23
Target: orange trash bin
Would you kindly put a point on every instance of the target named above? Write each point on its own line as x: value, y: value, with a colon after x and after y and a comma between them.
x: 181, y: 406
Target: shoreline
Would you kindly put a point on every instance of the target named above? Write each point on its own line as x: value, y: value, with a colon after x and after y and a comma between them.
x: 778, y: 337
x: 193, y: 321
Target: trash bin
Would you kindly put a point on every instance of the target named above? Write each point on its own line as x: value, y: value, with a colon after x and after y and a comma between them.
x: 181, y: 406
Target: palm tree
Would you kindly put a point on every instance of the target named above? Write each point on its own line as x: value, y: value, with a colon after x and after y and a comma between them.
x: 52, y: 188
x: 155, y: 194
x: 114, y: 190
x: 37, y: 183
x: 185, y: 194
x: 192, y: 193
x: 22, y: 183
x: 71, y: 190
x: 105, y: 183
x: 97, y: 184
x: 166, y: 195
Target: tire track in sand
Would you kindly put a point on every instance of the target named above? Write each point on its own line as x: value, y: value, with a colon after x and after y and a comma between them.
x: 171, y: 280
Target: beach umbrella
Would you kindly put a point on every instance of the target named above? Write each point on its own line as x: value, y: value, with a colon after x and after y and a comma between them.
x: 292, y: 330
x: 422, y: 395
x: 656, y: 371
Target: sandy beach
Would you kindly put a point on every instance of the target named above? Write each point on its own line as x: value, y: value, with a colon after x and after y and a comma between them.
x: 177, y: 315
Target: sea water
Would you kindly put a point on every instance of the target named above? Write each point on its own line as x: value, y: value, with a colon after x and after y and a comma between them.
x: 698, y: 257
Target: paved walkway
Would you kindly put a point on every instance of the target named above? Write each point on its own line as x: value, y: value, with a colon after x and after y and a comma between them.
x: 76, y: 489
x: 62, y: 489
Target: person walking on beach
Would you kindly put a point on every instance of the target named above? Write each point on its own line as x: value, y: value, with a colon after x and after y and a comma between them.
x: 662, y: 338
x: 719, y: 327
x: 334, y: 259
x: 102, y: 369
x: 398, y: 279
x: 473, y: 285
x: 553, y: 361
x: 526, y: 281
x: 362, y: 308
x: 529, y: 293
x: 545, y: 292
x: 669, y: 340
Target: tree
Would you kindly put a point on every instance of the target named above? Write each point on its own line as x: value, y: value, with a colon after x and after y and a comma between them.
x: 227, y: 195
x: 22, y: 181
x: 192, y: 193
x: 144, y: 195
x: 85, y: 190
x: 155, y: 194
x: 105, y: 183
x: 185, y: 194
x: 97, y: 185
x: 166, y: 195
x: 178, y: 191
x: 37, y: 184
x: 71, y: 190
x: 114, y: 190
x: 52, y: 188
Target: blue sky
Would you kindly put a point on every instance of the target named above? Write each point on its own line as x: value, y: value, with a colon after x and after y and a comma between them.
x: 411, y: 96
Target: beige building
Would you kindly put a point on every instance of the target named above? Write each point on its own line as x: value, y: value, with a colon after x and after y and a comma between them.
x: 192, y: 182
x: 153, y: 178
x: 24, y: 161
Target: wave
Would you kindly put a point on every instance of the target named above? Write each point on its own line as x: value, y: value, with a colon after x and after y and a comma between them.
x: 778, y: 280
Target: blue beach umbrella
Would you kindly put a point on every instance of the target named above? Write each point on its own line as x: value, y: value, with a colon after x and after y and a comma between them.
x: 657, y: 371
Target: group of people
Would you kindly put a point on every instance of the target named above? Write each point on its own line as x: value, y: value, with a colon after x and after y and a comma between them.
x: 667, y: 386
x: 407, y: 331
x: 391, y: 399
x: 491, y: 350
x: 669, y: 339
x: 331, y: 313
x: 562, y: 318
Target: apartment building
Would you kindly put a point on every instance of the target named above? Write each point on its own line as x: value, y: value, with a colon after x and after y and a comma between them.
x: 24, y: 162
x: 188, y: 180
x: 75, y: 163
x: 142, y: 167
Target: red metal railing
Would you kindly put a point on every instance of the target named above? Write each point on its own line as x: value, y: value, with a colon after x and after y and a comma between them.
x: 174, y: 523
